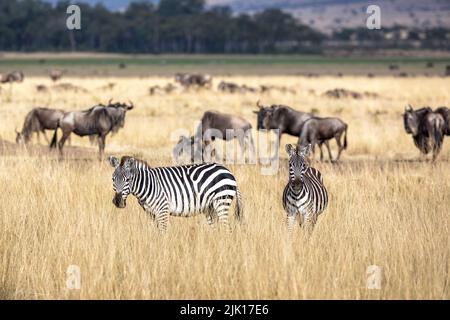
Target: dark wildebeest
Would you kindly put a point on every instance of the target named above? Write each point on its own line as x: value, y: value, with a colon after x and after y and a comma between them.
x: 99, y: 120
x: 226, y: 127
x: 320, y: 130
x: 15, y: 76
x: 427, y: 128
x: 283, y: 118
x: 187, y: 80
x: 37, y: 121
x: 445, y: 113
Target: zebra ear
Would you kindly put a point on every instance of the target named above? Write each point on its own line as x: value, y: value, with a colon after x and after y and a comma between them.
x: 128, y: 163
x: 290, y: 149
x: 113, y: 161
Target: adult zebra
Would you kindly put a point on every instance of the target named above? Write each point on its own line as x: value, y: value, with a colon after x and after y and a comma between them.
x: 181, y: 191
x: 305, y: 196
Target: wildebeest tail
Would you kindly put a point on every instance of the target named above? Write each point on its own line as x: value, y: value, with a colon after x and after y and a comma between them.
x: 438, y: 134
x: 345, y: 137
x: 238, y: 210
x: 55, y: 136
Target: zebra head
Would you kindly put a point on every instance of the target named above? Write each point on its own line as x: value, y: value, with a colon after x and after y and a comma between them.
x: 298, y: 162
x: 122, y: 177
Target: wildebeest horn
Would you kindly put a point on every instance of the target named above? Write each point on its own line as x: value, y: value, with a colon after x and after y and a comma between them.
x: 110, y: 101
x: 409, y: 108
x: 131, y: 106
x: 259, y: 105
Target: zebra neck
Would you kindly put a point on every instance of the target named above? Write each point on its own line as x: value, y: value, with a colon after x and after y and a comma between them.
x: 142, y: 178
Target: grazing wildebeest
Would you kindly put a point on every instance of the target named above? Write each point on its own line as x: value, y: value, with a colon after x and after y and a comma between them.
x: 99, y: 120
x: 427, y: 128
x: 228, y: 87
x: 320, y: 130
x: 15, y: 76
x: 226, y: 127
x: 168, y: 88
x: 283, y: 118
x: 445, y: 113
x: 37, y: 121
x: 187, y: 80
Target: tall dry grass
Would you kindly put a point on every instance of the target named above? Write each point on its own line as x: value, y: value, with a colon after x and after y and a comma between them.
x: 385, y: 208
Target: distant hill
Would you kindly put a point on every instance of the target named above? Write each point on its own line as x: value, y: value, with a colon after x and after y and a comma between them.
x: 328, y: 15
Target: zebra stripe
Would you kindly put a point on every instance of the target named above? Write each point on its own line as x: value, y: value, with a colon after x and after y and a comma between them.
x: 182, y: 191
x: 305, y: 196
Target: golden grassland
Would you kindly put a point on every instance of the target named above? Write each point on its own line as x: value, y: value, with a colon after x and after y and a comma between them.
x: 387, y: 206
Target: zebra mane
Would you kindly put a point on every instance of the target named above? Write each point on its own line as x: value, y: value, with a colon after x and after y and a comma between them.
x: 125, y: 158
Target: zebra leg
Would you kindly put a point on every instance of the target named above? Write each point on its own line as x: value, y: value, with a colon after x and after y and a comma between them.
x: 290, y: 222
x: 221, y: 208
x: 161, y: 220
x: 309, y: 223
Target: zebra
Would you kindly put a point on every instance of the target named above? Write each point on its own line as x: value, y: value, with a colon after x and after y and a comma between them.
x: 305, y: 195
x: 182, y: 191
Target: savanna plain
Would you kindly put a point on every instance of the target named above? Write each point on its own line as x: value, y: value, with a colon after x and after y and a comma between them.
x: 388, y: 205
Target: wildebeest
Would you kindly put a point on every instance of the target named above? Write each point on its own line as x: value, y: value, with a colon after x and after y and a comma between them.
x: 15, y: 76
x: 99, y: 120
x: 318, y: 130
x: 37, y: 121
x: 230, y: 87
x: 195, y: 79
x: 55, y: 75
x: 168, y: 88
x: 426, y: 127
x: 215, y: 124
x: 283, y: 118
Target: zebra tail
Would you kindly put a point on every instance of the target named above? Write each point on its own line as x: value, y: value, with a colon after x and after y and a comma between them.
x: 238, y: 210
x: 345, y: 138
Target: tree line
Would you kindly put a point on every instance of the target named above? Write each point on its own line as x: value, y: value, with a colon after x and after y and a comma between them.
x: 171, y: 26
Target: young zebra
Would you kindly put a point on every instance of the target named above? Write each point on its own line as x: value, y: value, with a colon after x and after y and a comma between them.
x: 305, y: 195
x: 181, y: 191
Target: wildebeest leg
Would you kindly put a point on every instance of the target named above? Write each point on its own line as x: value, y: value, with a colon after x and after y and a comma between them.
x: 64, y: 137
x: 101, y: 146
x: 250, y: 143
x: 327, y: 143
x: 241, y: 140
x: 321, y: 153
x: 338, y: 141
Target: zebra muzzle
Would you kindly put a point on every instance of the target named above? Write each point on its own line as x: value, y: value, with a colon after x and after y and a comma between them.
x: 118, y: 201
